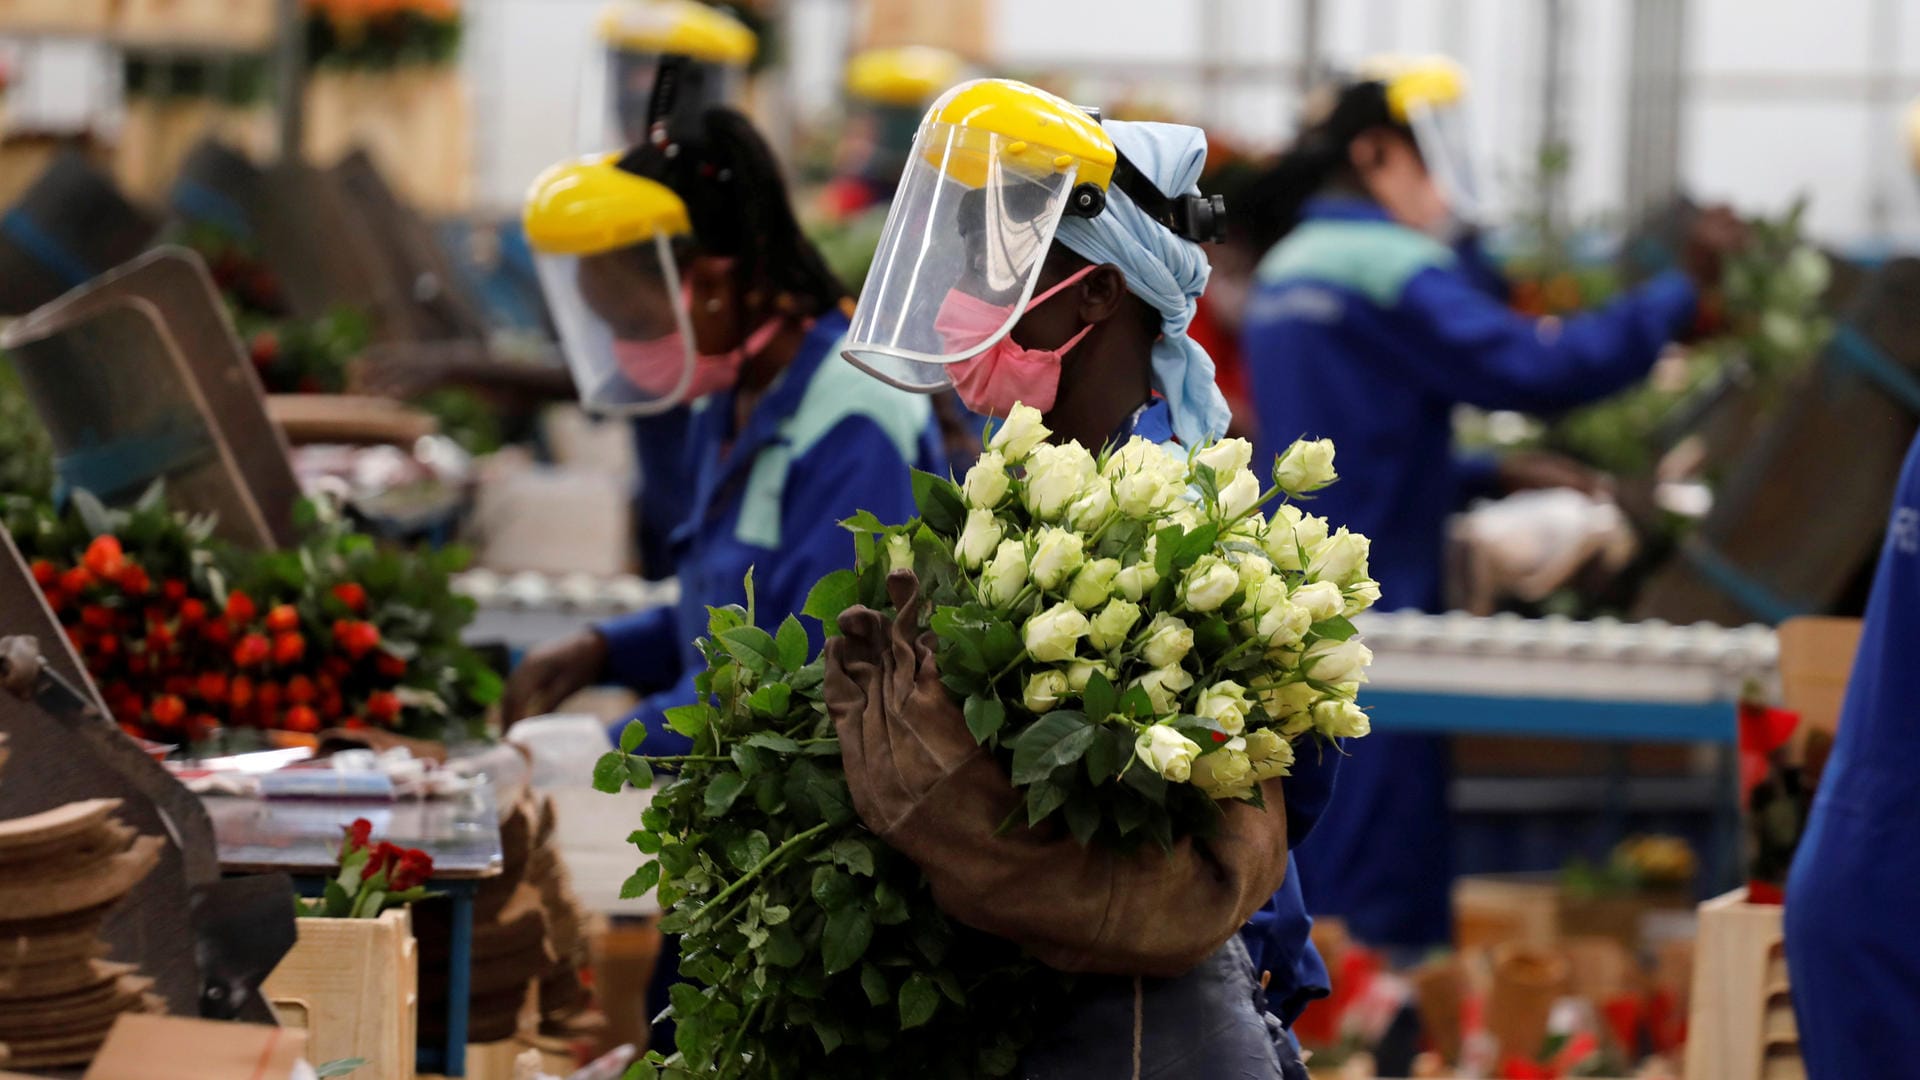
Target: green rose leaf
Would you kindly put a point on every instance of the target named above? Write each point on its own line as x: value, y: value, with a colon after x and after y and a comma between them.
x: 1100, y: 697
x: 831, y: 888
x: 939, y: 503
x: 752, y: 647
x: 829, y: 1036
x: 640, y: 881
x: 832, y: 595
x: 689, y: 720
x: 722, y: 791
x: 769, y: 740
x: 1107, y: 754
x: 771, y: 700
x: 844, y: 941
x: 918, y: 1000
x: 855, y: 855
x: 1338, y: 628
x: 1056, y: 739
x: 863, y: 521
x: 646, y: 840
x: 1135, y: 703
x: 746, y: 852
x: 791, y: 642
x: 639, y: 773
x: 1213, y: 637
x: 1083, y: 819
x: 875, y: 985
x: 783, y: 948
x: 1044, y: 798
x: 610, y: 772
x: 985, y: 715
x: 722, y: 619
x: 631, y: 736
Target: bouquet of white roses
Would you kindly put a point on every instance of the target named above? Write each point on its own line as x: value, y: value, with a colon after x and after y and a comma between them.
x: 1129, y: 630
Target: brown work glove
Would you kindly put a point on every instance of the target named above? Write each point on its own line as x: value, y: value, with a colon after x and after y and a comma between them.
x: 921, y: 783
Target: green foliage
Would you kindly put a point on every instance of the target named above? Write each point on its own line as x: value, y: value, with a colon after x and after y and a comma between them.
x: 26, y: 457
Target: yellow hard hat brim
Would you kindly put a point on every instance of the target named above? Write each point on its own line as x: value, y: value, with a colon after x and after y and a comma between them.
x: 990, y: 124
x: 591, y: 206
x: 1413, y: 84
x: 678, y: 28
x: 908, y: 76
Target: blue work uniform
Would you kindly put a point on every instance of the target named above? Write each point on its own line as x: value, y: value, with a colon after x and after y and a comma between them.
x: 1367, y: 332
x: 824, y: 441
x: 1853, y: 959
x: 1279, y: 937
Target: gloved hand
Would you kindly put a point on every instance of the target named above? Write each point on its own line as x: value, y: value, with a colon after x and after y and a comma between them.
x: 550, y: 673
x: 920, y: 782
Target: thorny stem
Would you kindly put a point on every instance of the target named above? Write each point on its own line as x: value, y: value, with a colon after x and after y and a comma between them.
x: 761, y: 866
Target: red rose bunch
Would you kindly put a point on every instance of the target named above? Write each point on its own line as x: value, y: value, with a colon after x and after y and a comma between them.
x: 373, y: 877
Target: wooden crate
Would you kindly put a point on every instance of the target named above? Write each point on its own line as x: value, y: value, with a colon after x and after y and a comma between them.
x: 1816, y: 659
x: 414, y: 121
x: 353, y: 984
x: 56, y: 16
x: 226, y: 24
x: 1740, y: 1025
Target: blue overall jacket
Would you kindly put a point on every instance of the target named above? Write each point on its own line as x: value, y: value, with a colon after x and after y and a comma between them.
x: 1853, y: 959
x: 1369, y: 333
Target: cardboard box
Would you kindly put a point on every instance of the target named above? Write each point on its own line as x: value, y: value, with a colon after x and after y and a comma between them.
x: 175, y: 1048
x: 352, y: 987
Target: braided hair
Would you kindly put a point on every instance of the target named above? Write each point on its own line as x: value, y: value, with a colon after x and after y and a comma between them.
x: 1318, y: 157
x: 725, y: 172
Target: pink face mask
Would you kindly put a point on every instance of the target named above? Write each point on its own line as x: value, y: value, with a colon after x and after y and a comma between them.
x: 1004, y: 373
x: 655, y: 366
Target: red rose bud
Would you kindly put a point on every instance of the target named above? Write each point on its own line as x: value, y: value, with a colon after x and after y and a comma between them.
x: 57, y: 598
x: 240, y: 608
x: 203, y: 725
x: 331, y: 705
x: 415, y: 868
x: 288, y: 649
x: 269, y: 695
x: 168, y: 710
x: 106, y: 645
x: 352, y: 595
x: 300, y: 690
x: 134, y: 580
x: 192, y: 612
x: 303, y: 719
x: 95, y: 617
x: 216, y: 632
x: 265, y: 347
x: 178, y: 686
x: 76, y: 580
x: 361, y: 638
x: 45, y: 573
x: 383, y: 706
x: 174, y: 589
x: 283, y: 619
x: 240, y: 692
x: 390, y: 666
x: 104, y: 558
x: 252, y: 651
x: 159, y: 637
x: 212, y: 686
x: 359, y: 834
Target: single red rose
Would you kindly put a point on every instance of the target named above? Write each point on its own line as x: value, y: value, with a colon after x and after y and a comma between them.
x: 385, y: 857
x: 76, y: 580
x: 159, y: 637
x: 216, y: 632
x: 265, y: 348
x: 252, y: 651
x: 335, y: 668
x: 58, y: 598
x: 106, y: 645
x: 383, y: 706
x: 202, y: 725
x: 269, y: 695
x: 168, y: 710
x: 104, y: 557
x: 177, y: 685
x: 192, y: 612
x: 359, y: 834
x: 240, y: 692
x: 300, y: 690
x: 240, y: 608
x: 301, y: 718
x: 415, y: 868
x: 354, y: 723
x: 133, y: 580
x: 288, y: 649
x: 390, y: 666
x: 331, y: 705
x: 352, y: 594
x: 95, y: 617
x: 212, y: 686
x: 283, y: 619
x: 360, y: 639
x: 45, y: 573
x: 174, y: 589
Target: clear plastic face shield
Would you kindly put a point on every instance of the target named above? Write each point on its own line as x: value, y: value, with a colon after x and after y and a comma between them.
x: 1440, y: 131
x: 970, y: 226
x: 616, y: 94
x: 624, y: 324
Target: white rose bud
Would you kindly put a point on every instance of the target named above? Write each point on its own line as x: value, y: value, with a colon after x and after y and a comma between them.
x: 1167, y: 641
x: 1360, y: 596
x: 979, y: 539
x: 1081, y: 670
x: 1287, y: 701
x: 1224, y: 774
x: 987, y: 481
x: 1251, y: 529
x: 1265, y: 747
x: 1340, y: 558
x: 1290, y: 533
x: 1146, y: 479
x: 899, y: 553
x: 1167, y: 752
x: 1019, y: 433
x: 1055, y: 474
x: 1224, y: 703
x: 1005, y: 576
x: 1044, y: 691
x: 1226, y: 457
x: 1093, y: 584
x: 1322, y: 600
x: 1239, y: 495
x: 1283, y: 625
x: 1341, y: 719
x: 1137, y: 580
x: 1254, y: 571
x: 1164, y: 686
x: 1209, y: 583
x: 1337, y: 661
x: 1110, y: 628
x: 1188, y: 516
x: 1056, y: 556
x: 1306, y: 466
x: 1091, y: 508
x: 1054, y: 634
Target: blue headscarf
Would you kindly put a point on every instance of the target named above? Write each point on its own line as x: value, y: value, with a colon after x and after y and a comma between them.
x: 1164, y: 270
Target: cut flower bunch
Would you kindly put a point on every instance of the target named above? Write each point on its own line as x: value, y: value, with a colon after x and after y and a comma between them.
x: 1129, y: 630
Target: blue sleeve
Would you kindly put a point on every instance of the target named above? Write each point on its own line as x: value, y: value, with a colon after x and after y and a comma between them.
x: 643, y: 649
x: 1309, y: 787
x: 1456, y: 342
x: 1480, y: 268
x: 1476, y: 475
x: 663, y: 459
x: 661, y: 740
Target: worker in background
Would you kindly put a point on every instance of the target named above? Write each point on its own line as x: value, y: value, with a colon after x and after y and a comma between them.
x: 1037, y: 255
x: 888, y: 90
x: 710, y: 49
x: 1371, y: 318
x: 1854, y: 963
